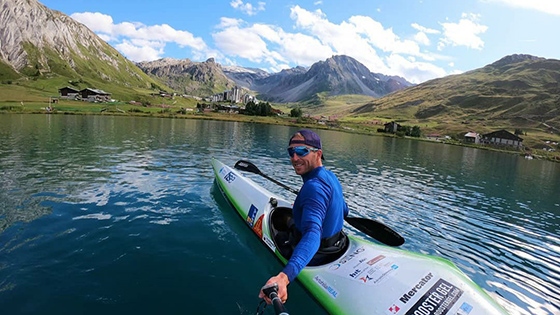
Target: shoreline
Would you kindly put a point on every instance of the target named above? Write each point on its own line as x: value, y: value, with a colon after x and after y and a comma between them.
x: 277, y: 120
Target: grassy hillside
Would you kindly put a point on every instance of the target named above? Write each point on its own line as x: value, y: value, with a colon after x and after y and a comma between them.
x: 504, y: 95
x: 47, y: 85
x: 7, y: 74
x: 324, y: 105
x: 19, y: 99
x: 116, y: 75
x: 529, y: 89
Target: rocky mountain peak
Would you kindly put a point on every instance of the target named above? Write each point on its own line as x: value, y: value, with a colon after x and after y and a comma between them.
x: 197, y: 78
x: 149, y: 66
x: 57, y: 32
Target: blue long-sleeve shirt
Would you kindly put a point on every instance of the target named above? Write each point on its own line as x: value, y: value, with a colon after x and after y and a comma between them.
x: 318, y: 213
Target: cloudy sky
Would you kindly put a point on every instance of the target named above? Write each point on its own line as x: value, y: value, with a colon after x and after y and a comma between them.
x: 415, y: 39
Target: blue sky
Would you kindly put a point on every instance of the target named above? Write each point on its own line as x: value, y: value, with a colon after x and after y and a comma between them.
x: 417, y: 40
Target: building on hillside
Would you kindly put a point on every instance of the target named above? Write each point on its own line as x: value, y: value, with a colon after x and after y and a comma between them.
x: 68, y: 92
x: 235, y: 95
x: 392, y: 127
x: 502, y: 138
x: 228, y: 96
x: 94, y: 95
x: 472, y: 137
x: 230, y: 109
x: 246, y: 98
x: 218, y: 97
x: 277, y: 112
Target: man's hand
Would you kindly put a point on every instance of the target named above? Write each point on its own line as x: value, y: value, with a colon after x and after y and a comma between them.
x: 282, y: 281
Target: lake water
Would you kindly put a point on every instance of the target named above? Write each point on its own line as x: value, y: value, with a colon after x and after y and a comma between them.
x: 119, y: 215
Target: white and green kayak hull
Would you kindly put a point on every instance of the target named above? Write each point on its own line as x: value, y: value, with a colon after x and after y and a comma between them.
x: 369, y: 278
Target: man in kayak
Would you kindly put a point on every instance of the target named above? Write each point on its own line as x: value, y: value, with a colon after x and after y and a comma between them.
x: 318, y: 212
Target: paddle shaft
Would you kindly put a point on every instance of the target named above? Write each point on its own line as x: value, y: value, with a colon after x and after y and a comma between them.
x: 295, y: 191
x: 271, y: 292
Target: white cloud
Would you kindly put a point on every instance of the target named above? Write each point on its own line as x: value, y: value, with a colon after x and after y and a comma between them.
x: 464, y: 33
x: 247, y: 8
x: 312, y: 38
x: 423, y: 29
x: 269, y: 44
x: 385, y: 39
x: 97, y: 22
x: 125, y: 36
x: 362, y: 38
x: 229, y: 22
x: 315, y: 38
x: 413, y: 70
x: 139, y: 53
x: 304, y: 50
x: 231, y: 41
x: 422, y: 39
x: 545, y: 6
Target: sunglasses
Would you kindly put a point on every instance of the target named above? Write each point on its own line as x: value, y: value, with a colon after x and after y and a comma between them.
x: 301, y: 151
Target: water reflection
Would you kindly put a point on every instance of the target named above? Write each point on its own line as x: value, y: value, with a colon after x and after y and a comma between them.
x: 494, y: 215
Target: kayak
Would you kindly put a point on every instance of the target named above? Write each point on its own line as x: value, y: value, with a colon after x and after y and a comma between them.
x: 367, y: 277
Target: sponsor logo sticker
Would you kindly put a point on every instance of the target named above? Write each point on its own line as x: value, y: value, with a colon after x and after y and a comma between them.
x: 416, y: 288
x: 366, y: 278
x: 375, y: 260
x: 269, y: 242
x: 222, y: 171
x: 230, y: 177
x: 351, y: 256
x: 252, y: 215
x: 399, y: 305
x: 438, y: 300
x: 257, y: 227
x: 327, y: 287
x: 394, y: 309
x: 465, y: 309
x: 335, y: 266
x: 361, y: 267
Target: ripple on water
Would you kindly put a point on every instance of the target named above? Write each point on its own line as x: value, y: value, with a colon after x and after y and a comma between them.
x: 505, y: 243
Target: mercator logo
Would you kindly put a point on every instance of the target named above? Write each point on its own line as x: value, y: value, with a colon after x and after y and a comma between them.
x: 407, y: 296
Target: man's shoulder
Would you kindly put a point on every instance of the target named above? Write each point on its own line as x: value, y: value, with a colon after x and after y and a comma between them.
x: 322, y: 177
x: 326, y: 173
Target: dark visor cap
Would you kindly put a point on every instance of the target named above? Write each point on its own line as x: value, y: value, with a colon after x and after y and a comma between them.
x: 310, y: 138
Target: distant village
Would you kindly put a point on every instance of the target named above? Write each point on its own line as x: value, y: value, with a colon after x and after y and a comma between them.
x: 499, y: 138
x: 235, y: 95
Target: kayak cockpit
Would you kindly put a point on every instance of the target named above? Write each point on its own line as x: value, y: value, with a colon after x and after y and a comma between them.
x: 282, y: 232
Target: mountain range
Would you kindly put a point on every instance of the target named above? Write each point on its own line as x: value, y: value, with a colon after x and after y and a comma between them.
x: 65, y: 48
x: 338, y: 75
x: 517, y: 88
x: 62, y: 52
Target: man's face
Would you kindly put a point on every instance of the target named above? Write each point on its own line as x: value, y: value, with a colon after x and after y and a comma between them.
x: 307, y: 163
